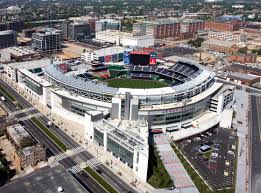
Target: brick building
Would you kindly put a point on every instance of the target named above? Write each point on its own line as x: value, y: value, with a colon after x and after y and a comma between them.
x: 243, y: 58
x: 25, y: 151
x: 244, y: 79
x: 222, y: 26
x: 220, y: 46
x: 161, y: 28
x: 192, y: 25
x: 27, y: 156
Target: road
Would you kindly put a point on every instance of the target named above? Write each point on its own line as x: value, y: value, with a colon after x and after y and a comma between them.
x: 108, y: 175
x: 255, y: 144
x: 240, y: 87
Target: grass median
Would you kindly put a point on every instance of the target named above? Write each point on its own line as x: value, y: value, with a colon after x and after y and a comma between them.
x: 100, y: 180
x: 57, y: 141
x: 49, y: 133
x: 7, y: 94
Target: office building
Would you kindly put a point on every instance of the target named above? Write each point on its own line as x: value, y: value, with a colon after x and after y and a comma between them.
x: 47, y: 40
x: 79, y: 30
x: 15, y: 25
x: 7, y: 39
x: 107, y: 24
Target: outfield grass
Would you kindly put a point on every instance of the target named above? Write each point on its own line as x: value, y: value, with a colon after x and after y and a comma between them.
x: 158, y: 177
x: 135, y: 83
x: 100, y: 180
x: 201, y: 186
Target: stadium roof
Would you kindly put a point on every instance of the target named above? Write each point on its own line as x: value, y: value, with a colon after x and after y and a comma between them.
x: 97, y: 87
x: 71, y: 81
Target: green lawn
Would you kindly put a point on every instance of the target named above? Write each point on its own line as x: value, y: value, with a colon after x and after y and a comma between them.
x: 135, y: 83
x: 201, y: 186
x: 158, y: 177
x: 100, y: 180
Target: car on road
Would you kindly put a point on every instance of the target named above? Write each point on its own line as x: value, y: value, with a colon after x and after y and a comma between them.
x: 3, y: 98
x: 49, y: 123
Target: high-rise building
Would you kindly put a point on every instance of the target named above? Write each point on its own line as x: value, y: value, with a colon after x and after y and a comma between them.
x: 107, y: 24
x: 7, y: 38
x: 47, y: 40
x: 78, y: 30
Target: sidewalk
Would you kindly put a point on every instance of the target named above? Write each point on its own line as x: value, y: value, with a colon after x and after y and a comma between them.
x: 242, y: 133
x: 114, y: 164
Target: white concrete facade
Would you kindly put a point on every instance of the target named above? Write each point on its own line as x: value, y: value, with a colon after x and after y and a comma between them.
x: 140, y: 151
x: 125, y: 39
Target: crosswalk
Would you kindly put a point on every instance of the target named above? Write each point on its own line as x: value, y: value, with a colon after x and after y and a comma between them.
x: 77, y: 150
x: 75, y: 169
x: 92, y: 162
x: 29, y: 116
x: 60, y: 157
x: 68, y: 153
x: 22, y: 111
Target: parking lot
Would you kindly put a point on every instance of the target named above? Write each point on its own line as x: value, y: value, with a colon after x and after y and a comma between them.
x: 213, y: 155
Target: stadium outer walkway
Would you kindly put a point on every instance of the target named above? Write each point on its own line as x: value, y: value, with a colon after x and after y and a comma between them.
x: 180, y: 177
x: 241, y: 98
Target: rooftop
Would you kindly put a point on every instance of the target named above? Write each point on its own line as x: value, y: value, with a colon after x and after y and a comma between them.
x: 45, y: 180
x: 130, y: 139
x: 48, y: 31
x: 219, y: 43
x: 35, y: 78
x: 241, y: 76
x: 18, y: 133
x: 20, y: 51
x: 31, y: 64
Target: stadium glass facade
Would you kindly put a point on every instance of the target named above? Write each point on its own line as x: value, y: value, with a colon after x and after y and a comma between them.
x: 119, y: 151
x: 78, y: 107
x: 98, y: 137
x: 33, y: 86
x: 180, y: 114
